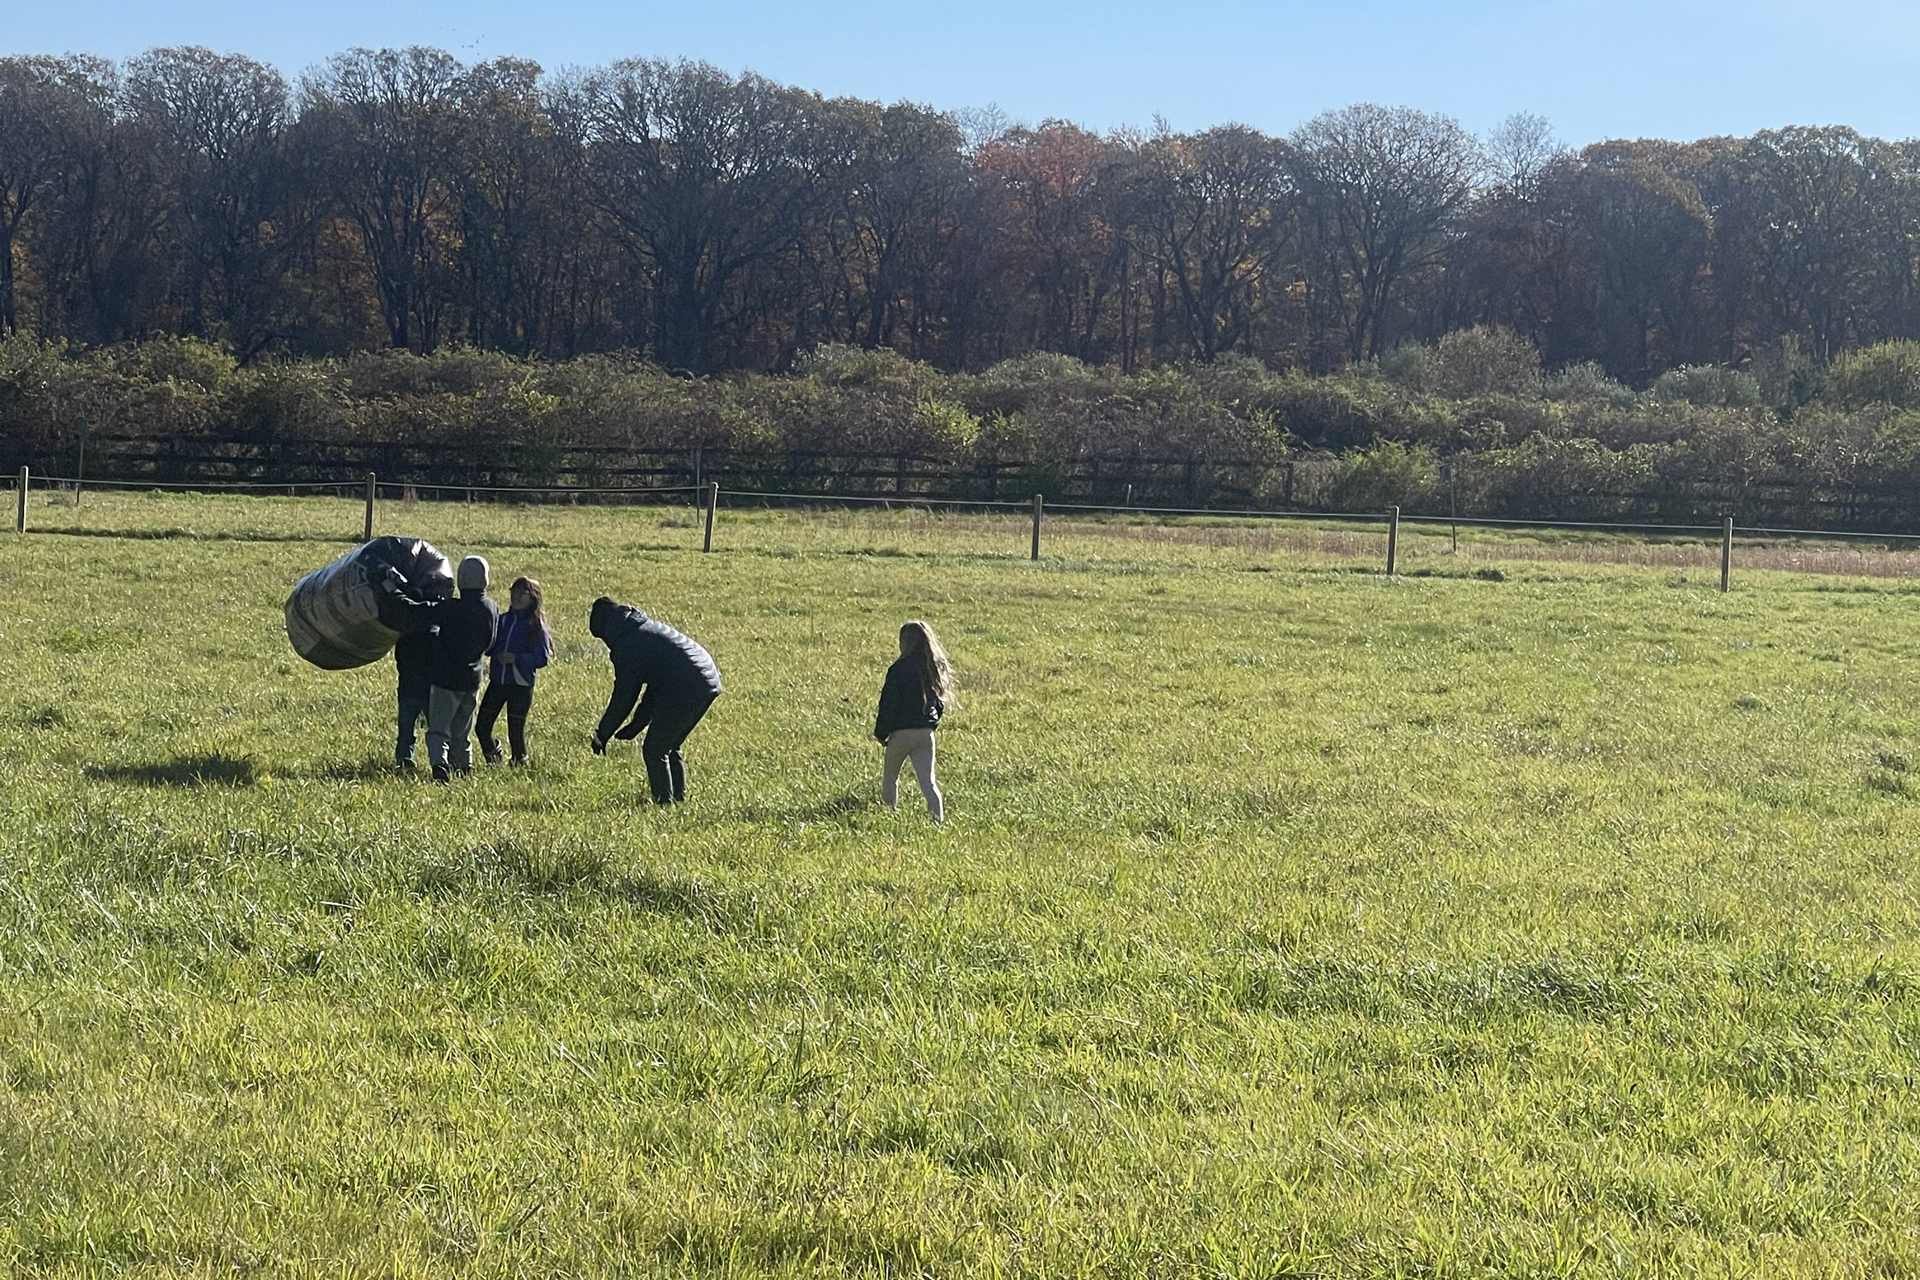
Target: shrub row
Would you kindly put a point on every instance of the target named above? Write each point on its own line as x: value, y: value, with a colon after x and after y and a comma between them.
x: 1472, y: 422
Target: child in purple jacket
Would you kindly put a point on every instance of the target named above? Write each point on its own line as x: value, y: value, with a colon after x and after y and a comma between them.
x: 521, y: 646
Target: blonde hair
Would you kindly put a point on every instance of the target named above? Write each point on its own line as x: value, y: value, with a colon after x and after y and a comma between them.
x: 936, y: 674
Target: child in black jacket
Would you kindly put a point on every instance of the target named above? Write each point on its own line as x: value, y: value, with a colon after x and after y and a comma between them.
x: 413, y: 662
x: 466, y: 628
x: 919, y: 685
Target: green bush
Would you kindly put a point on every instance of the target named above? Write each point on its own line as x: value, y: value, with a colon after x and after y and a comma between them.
x: 1587, y: 383
x: 1388, y: 474
x: 1571, y: 444
x: 1708, y: 386
x: 1885, y: 373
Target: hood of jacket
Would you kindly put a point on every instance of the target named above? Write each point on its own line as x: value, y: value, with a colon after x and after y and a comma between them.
x: 607, y: 620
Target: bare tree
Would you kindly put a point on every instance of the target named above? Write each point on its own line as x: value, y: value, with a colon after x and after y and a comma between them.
x: 40, y: 102
x: 217, y: 124
x: 705, y: 175
x: 383, y: 121
x: 1380, y: 188
x: 1808, y: 206
x: 1520, y: 149
x: 1643, y: 230
x: 899, y: 179
x: 1211, y: 213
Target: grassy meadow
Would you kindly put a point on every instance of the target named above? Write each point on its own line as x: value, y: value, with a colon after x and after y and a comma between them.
x: 1527, y: 915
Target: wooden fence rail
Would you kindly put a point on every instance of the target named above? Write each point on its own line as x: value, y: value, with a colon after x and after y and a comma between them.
x: 1143, y: 479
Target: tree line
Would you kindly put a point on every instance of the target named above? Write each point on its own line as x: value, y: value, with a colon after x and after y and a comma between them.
x: 399, y: 199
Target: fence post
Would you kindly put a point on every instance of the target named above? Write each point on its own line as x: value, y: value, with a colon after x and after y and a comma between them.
x: 20, y: 515
x: 713, y: 501
x: 80, y: 471
x: 1726, y: 555
x: 367, y: 536
x: 1393, y: 540
x: 1039, y: 508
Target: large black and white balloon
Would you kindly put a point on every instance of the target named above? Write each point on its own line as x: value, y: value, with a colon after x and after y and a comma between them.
x: 341, y: 616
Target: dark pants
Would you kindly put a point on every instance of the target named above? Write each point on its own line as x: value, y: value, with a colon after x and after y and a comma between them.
x: 518, y: 700
x: 413, y: 709
x: 667, y: 728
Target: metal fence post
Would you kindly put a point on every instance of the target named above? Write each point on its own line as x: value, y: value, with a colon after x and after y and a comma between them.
x: 20, y: 514
x: 1726, y: 555
x: 80, y: 471
x: 1039, y: 508
x: 367, y: 535
x: 1393, y: 540
x: 713, y: 501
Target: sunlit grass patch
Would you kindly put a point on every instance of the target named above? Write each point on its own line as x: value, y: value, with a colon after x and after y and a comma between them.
x: 1519, y: 916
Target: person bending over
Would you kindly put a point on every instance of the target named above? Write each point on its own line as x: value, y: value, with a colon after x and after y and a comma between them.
x: 466, y: 629
x: 520, y: 648
x: 681, y: 682
x: 918, y: 687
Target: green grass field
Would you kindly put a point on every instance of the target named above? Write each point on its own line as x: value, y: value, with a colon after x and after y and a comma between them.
x: 1528, y: 917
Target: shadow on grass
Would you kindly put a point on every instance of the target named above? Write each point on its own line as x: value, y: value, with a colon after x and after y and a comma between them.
x: 194, y: 535
x: 374, y: 770
x: 522, y: 870
x: 673, y: 896
x: 183, y: 771
x: 260, y: 535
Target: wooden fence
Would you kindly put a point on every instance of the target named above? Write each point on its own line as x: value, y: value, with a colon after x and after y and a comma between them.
x: 1187, y: 481
x: 1138, y: 480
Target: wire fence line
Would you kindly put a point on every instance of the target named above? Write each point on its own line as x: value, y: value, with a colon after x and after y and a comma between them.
x: 709, y: 498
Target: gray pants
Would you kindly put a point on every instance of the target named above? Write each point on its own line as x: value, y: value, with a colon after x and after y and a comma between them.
x: 450, y: 729
x: 915, y: 745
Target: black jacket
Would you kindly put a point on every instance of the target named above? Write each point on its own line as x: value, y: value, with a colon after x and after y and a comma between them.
x: 646, y: 651
x: 466, y: 625
x: 905, y: 702
x: 413, y: 657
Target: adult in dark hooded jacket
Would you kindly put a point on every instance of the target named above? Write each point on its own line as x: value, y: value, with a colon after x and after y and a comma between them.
x: 681, y: 682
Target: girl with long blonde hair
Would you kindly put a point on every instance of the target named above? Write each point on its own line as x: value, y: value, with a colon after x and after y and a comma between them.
x: 917, y: 692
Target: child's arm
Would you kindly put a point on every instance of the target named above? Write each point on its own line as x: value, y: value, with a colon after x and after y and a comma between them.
x: 885, y: 718
x: 539, y: 650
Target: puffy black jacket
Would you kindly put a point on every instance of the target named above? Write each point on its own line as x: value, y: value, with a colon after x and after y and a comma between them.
x: 466, y: 633
x: 648, y: 652
x: 413, y: 657
x: 905, y: 702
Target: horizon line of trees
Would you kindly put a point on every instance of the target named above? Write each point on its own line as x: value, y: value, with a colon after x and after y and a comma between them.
x: 398, y: 199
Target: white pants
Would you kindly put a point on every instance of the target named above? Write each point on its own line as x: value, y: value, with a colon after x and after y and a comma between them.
x: 915, y: 745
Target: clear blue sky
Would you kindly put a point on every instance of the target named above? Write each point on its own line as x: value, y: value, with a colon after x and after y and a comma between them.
x: 1595, y: 68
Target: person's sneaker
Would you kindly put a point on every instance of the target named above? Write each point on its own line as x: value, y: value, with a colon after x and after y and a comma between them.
x: 403, y: 766
x: 492, y: 753
x: 442, y: 777
x: 519, y: 762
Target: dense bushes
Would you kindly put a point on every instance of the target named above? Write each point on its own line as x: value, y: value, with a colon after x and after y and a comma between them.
x: 1568, y: 443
